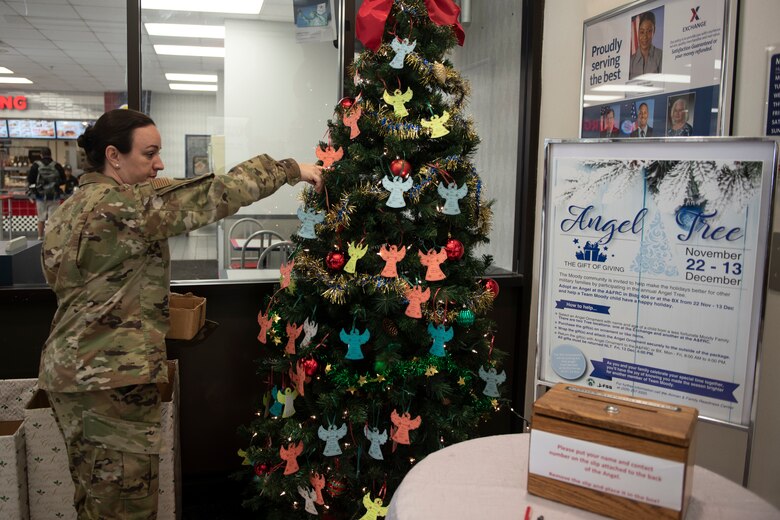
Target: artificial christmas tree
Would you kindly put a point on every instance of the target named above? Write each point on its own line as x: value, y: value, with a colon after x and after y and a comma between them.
x: 376, y: 347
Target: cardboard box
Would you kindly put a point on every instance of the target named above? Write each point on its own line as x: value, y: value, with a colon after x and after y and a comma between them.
x: 13, y: 471
x: 49, y: 481
x: 49, y: 484
x: 14, y: 396
x: 188, y: 314
x: 611, y: 454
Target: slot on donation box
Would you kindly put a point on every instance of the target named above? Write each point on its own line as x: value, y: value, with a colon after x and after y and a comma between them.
x: 612, y: 454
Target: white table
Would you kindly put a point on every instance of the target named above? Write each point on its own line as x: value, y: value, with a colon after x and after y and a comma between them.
x: 252, y: 274
x: 485, y: 479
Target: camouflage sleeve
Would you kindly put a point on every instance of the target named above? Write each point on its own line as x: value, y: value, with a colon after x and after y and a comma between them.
x: 170, y: 208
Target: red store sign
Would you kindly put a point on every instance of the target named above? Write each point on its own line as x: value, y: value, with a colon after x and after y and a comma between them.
x: 13, y: 102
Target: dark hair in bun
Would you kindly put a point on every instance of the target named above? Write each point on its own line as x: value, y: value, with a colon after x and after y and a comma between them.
x: 112, y: 128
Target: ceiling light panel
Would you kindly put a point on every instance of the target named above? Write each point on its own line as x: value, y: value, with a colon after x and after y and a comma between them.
x: 186, y: 30
x: 15, y: 80
x: 206, y: 6
x: 203, y: 78
x: 202, y: 87
x: 190, y: 50
x: 3, y: 70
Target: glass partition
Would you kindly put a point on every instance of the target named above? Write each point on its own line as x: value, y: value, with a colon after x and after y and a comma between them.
x: 62, y: 64
x: 226, y: 86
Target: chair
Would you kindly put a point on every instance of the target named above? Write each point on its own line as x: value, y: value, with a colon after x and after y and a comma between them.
x: 284, y: 248
x: 259, y: 241
x: 240, y: 229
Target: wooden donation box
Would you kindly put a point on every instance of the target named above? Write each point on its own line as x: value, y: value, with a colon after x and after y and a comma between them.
x: 612, y: 454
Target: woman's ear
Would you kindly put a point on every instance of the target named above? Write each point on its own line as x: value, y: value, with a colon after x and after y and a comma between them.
x: 112, y: 154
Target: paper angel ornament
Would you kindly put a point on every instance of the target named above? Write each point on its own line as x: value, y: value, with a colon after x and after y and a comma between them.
x: 397, y: 187
x: 391, y: 256
x: 416, y: 297
x: 376, y: 439
x: 440, y: 335
x: 309, y: 331
x: 350, y: 119
x: 309, y: 496
x: 452, y: 194
x: 331, y: 436
x: 436, y: 125
x: 287, y: 398
x: 293, y: 331
x: 397, y: 100
x: 276, y: 407
x: 354, y: 341
x: 401, y: 48
x: 374, y: 507
x: 298, y: 377
x: 355, y: 253
x: 286, y: 271
x: 329, y: 155
x: 290, y: 456
x: 433, y: 260
x: 492, y: 381
x: 318, y: 482
x: 403, y: 423
x: 265, y: 323
x: 308, y: 218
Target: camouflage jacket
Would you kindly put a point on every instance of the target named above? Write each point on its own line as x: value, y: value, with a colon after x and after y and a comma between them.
x: 105, y: 255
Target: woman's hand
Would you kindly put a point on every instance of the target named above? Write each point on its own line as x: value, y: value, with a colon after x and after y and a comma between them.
x: 312, y: 174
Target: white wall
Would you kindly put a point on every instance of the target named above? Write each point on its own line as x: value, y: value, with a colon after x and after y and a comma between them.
x: 720, y: 449
x: 490, y: 61
x: 177, y: 115
x: 279, y: 103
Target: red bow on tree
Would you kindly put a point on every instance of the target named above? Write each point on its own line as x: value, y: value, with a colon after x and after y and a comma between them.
x: 372, y: 17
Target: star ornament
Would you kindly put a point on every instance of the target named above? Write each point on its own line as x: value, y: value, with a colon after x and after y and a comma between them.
x: 461, y: 381
x: 380, y: 378
x: 362, y: 380
x: 352, y: 390
x: 431, y: 371
x: 328, y: 368
x: 494, y: 402
x: 277, y: 340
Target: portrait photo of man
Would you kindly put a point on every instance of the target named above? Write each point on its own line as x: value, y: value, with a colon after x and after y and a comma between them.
x: 643, y: 128
x: 646, y: 55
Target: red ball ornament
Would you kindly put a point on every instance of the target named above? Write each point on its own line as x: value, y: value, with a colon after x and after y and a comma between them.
x: 310, y: 366
x: 401, y: 168
x: 346, y: 102
x: 492, y: 286
x: 335, y: 260
x: 261, y: 468
x: 454, y: 249
x: 336, y: 486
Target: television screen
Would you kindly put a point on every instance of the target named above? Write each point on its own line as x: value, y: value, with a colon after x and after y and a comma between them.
x: 30, y: 129
x: 70, y: 129
x: 3, y: 129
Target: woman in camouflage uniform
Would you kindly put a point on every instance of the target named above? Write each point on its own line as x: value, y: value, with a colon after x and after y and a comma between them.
x: 106, y: 257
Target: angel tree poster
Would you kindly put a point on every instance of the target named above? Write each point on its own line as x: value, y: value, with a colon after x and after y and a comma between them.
x: 654, y: 272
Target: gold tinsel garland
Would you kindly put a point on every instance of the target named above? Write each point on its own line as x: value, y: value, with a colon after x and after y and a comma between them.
x: 336, y: 284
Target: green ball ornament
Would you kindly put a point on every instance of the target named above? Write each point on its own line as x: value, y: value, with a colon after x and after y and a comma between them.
x: 466, y: 318
x: 380, y: 366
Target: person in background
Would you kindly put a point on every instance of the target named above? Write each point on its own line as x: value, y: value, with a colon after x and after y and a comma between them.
x: 678, y: 117
x: 106, y: 257
x: 648, y: 58
x: 642, y: 128
x: 609, y: 128
x: 70, y: 183
x: 43, y: 183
